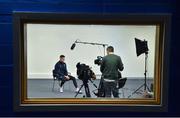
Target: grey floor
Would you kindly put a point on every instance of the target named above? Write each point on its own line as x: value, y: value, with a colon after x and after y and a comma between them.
x: 42, y: 88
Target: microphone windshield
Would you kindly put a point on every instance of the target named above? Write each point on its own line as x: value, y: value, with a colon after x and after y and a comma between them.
x: 73, y: 46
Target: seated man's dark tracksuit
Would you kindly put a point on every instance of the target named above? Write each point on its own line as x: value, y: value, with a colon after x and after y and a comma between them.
x: 61, y: 71
x: 110, y: 67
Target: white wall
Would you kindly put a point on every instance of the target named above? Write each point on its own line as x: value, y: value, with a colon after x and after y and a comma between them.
x: 46, y: 42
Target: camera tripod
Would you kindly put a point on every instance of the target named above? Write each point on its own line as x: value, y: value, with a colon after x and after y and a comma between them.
x: 145, y: 79
x: 86, y: 87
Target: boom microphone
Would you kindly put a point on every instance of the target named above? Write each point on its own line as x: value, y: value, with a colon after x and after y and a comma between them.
x: 73, y: 46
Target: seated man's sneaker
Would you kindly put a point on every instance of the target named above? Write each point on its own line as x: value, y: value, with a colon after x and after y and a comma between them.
x: 77, y: 89
x: 61, y: 89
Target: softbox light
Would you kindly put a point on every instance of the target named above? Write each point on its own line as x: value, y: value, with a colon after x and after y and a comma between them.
x: 141, y: 46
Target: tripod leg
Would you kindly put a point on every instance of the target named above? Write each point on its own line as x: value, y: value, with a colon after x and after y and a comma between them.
x: 87, y: 90
x: 148, y: 88
x: 93, y: 83
x: 136, y: 91
x: 79, y: 90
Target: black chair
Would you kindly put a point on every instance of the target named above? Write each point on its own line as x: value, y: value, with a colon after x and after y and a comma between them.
x: 121, y: 83
x: 55, y: 77
x: 100, y: 90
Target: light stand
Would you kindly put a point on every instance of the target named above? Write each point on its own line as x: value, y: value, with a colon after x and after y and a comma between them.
x: 141, y: 47
x: 145, y: 72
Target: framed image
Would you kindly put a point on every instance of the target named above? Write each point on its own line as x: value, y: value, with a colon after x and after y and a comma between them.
x: 43, y: 40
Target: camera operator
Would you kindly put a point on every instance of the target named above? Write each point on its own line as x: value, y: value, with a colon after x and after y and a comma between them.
x: 61, y: 70
x: 110, y: 67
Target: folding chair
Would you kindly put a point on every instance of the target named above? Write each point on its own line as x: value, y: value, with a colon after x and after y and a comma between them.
x: 55, y: 77
x: 121, y: 83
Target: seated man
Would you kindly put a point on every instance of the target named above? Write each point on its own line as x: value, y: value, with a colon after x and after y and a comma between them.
x: 61, y: 70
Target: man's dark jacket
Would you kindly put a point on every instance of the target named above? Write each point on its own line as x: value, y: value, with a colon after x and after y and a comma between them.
x: 110, y: 67
x: 61, y: 69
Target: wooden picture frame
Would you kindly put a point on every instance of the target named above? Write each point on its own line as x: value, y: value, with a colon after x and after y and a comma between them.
x: 158, y: 103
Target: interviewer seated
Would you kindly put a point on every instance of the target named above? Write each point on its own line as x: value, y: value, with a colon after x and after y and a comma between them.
x: 62, y: 73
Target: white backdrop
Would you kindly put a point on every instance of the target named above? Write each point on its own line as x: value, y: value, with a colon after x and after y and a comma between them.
x: 45, y: 42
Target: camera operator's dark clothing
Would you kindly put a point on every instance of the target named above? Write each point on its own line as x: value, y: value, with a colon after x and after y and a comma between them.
x: 110, y: 67
x: 111, y: 64
x: 61, y: 71
x: 111, y: 87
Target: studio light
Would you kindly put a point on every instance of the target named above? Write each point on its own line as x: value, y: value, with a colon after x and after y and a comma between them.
x: 141, y: 46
